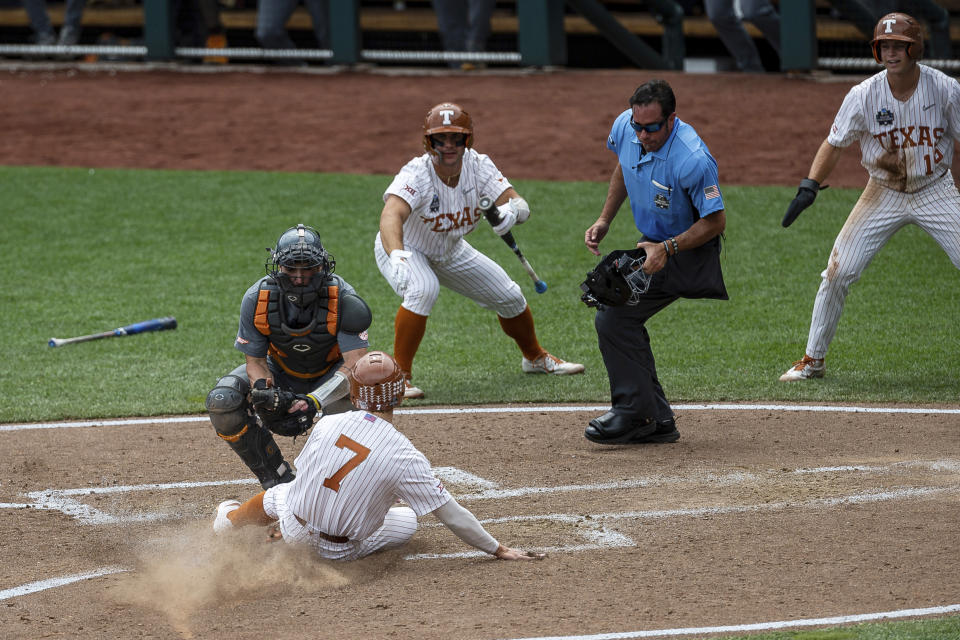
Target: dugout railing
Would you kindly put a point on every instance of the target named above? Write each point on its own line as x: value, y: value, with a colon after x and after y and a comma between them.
x: 649, y: 34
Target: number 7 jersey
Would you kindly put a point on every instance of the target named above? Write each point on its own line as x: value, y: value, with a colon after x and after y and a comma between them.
x: 353, y: 468
x: 904, y: 145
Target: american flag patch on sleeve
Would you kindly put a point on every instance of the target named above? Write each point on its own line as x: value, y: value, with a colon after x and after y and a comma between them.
x: 711, y: 192
x: 370, y: 418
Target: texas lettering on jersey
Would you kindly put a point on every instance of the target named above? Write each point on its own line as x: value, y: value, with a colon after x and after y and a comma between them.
x: 905, y: 144
x: 913, y: 136
x: 446, y: 222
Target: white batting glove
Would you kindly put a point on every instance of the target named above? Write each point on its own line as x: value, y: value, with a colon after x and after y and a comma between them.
x: 522, y: 208
x: 508, y: 218
x: 401, y: 269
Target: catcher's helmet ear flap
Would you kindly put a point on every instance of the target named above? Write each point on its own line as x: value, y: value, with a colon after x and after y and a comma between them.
x: 898, y: 26
x: 376, y: 382
x: 447, y: 117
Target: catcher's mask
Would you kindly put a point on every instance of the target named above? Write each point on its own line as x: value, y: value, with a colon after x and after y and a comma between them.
x: 447, y: 117
x: 618, y: 280
x: 376, y: 382
x: 299, y: 247
x: 898, y: 26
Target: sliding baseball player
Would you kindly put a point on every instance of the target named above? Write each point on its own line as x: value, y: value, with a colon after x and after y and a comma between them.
x: 351, y: 473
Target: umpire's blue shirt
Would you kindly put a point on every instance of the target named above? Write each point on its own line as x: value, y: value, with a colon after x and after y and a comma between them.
x: 670, y: 188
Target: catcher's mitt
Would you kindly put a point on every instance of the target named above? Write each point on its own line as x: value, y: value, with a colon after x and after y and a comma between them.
x: 273, y: 404
x: 619, y: 279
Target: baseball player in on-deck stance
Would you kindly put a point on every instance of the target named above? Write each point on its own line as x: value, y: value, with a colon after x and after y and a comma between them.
x: 352, y: 470
x: 428, y: 209
x: 906, y: 119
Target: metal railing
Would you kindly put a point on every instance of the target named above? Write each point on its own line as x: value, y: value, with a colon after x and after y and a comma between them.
x: 871, y: 64
x: 134, y: 52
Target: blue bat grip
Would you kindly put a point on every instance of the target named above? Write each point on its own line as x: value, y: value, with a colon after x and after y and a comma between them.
x: 156, y: 324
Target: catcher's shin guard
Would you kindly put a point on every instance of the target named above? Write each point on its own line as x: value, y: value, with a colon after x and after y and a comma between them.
x: 258, y: 450
x: 233, y: 420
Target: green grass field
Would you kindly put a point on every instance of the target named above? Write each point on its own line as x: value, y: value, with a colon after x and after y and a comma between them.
x: 86, y: 251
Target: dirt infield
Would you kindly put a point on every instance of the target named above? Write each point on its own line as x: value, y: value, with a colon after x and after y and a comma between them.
x: 753, y: 516
x: 762, y: 129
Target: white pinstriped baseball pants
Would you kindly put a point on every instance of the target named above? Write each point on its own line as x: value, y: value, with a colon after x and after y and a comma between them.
x: 398, y: 527
x: 464, y: 270
x: 878, y: 214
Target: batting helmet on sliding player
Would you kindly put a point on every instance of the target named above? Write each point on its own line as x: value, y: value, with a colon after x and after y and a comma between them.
x: 898, y: 26
x: 447, y: 117
x: 376, y: 382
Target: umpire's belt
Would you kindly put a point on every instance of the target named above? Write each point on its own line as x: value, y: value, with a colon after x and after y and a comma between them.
x: 325, y: 536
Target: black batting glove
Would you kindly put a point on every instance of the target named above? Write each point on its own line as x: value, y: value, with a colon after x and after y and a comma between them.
x: 806, y: 194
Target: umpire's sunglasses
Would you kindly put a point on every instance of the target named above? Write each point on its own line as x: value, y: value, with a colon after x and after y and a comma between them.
x: 649, y: 128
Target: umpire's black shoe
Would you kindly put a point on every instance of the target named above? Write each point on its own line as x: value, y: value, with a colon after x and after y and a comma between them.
x: 611, y: 428
x: 666, y: 432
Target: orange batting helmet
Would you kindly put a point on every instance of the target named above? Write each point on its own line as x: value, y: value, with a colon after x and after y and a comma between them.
x: 447, y: 117
x: 898, y: 26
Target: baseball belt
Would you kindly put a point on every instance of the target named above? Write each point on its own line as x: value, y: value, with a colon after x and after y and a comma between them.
x: 325, y: 536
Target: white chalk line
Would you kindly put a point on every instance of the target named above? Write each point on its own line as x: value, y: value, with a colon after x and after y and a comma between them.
x: 604, y: 539
x: 507, y: 409
x: 759, y: 626
x: 600, y: 534
x: 65, y: 501
x: 50, y: 583
x: 597, y: 537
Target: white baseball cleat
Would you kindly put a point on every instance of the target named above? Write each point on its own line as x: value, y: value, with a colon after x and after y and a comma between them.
x: 550, y: 364
x: 222, y: 523
x: 804, y: 369
x: 411, y: 392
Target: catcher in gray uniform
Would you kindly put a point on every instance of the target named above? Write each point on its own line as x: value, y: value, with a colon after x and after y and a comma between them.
x: 301, y: 329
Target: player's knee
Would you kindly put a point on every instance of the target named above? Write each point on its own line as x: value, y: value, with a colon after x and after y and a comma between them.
x: 227, y: 405
x: 513, y: 302
x: 402, y: 521
x: 420, y: 297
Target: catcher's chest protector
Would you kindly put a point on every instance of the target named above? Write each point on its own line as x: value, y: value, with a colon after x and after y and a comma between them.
x: 308, y: 351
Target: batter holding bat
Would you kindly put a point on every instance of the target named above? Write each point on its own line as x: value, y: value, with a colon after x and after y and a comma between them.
x: 301, y: 328
x: 428, y: 209
x: 906, y: 119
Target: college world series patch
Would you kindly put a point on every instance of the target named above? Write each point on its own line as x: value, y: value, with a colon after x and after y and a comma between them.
x: 884, y: 117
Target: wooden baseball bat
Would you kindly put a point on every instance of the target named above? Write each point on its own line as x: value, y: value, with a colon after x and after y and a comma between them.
x: 489, y: 210
x: 156, y: 324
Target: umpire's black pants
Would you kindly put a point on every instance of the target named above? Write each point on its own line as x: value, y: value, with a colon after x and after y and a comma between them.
x: 635, y: 391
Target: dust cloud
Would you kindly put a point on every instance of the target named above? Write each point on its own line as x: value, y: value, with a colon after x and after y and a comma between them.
x: 185, y: 570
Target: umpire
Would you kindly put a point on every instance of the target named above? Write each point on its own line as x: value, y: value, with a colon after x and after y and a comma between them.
x: 671, y: 179
x: 301, y: 329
